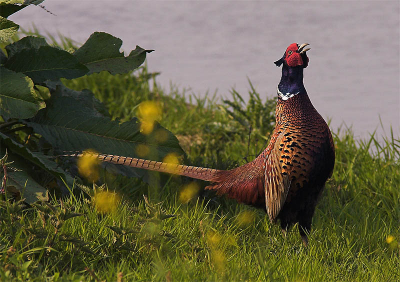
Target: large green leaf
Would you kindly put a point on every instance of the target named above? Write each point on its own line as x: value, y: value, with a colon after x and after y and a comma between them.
x: 46, y: 63
x: 36, y: 158
x: 3, y: 57
x: 85, y: 98
x: 24, y: 2
x: 9, y: 9
x: 72, y: 123
x: 12, y: 1
x: 18, y: 99
x: 24, y: 183
x: 21, y: 181
x: 27, y: 42
x: 101, y: 53
x: 33, y: 2
x: 7, y: 29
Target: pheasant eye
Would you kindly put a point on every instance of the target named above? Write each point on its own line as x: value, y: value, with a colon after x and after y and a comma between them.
x: 290, y: 52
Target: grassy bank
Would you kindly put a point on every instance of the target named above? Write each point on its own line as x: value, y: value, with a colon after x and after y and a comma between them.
x: 126, y: 237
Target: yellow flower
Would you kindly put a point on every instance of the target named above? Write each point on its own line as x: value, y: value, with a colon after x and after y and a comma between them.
x: 393, y: 244
x: 389, y: 239
x: 161, y: 135
x: 142, y: 150
x: 88, y: 165
x: 245, y: 218
x: 149, y: 113
x: 106, y: 201
x: 151, y: 229
x: 146, y: 127
x: 219, y: 259
x: 231, y: 240
x: 189, y: 192
x: 172, y: 162
x: 213, y: 239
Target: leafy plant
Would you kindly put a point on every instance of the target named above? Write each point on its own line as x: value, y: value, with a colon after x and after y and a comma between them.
x: 41, y: 117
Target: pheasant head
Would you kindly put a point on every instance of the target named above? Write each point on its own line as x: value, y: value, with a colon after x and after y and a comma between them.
x: 295, y: 56
x: 294, y: 60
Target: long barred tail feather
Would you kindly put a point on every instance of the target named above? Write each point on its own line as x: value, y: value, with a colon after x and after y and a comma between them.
x: 202, y: 173
x: 245, y: 183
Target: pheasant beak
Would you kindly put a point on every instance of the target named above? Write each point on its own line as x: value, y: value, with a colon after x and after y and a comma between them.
x: 301, y: 49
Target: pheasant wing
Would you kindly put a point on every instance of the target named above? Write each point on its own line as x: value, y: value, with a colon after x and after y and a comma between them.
x: 276, y: 183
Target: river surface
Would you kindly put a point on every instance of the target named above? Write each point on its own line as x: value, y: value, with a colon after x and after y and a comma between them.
x: 353, y: 77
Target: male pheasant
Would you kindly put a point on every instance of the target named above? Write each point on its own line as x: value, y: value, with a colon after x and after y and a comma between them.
x: 287, y: 178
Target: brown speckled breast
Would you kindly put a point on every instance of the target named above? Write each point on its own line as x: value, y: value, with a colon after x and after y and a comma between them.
x: 307, y: 153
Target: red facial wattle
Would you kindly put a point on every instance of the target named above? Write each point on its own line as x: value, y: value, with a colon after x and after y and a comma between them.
x: 292, y: 57
x: 295, y: 56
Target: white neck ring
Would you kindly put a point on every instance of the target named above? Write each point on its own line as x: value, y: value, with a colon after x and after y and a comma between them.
x: 286, y: 96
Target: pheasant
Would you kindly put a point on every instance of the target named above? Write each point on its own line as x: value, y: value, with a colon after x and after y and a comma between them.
x: 288, y: 177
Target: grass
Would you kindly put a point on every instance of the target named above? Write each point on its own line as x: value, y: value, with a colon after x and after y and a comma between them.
x: 128, y: 237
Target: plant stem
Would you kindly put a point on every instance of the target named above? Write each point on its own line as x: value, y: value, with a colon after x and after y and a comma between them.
x: 4, y: 182
x: 7, y: 124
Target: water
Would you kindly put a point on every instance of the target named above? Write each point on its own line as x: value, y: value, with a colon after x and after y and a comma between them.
x: 352, y: 78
